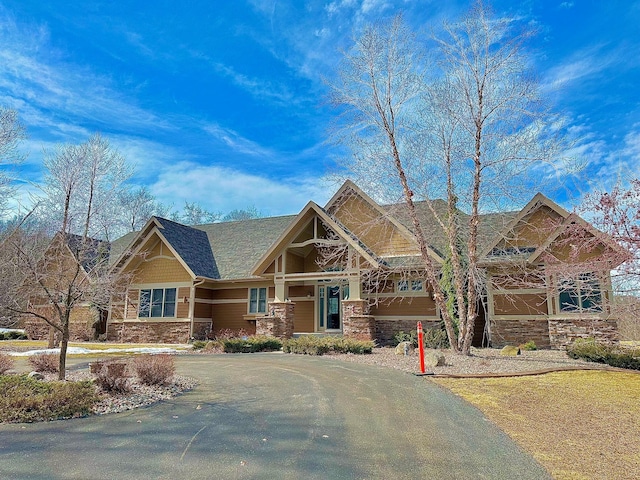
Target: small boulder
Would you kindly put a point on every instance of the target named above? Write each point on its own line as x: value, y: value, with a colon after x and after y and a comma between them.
x: 510, y: 351
x: 404, y: 348
x: 36, y: 375
x: 433, y: 358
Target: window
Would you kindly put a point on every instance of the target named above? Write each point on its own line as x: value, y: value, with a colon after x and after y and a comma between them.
x: 410, y: 285
x: 157, y: 302
x: 257, y: 300
x: 580, y: 294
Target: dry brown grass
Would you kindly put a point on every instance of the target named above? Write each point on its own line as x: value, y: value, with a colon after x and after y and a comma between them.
x: 579, y: 425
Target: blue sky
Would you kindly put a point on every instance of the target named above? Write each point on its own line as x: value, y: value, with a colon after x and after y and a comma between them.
x: 223, y: 103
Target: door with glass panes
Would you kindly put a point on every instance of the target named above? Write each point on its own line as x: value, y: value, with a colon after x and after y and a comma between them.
x: 329, y: 309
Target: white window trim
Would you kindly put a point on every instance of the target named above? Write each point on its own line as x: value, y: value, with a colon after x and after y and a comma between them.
x: 266, y: 300
x: 164, y: 302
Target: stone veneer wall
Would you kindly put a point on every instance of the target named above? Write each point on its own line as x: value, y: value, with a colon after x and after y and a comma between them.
x: 563, y: 332
x: 386, y: 329
x: 360, y: 327
x: 37, y: 329
x: 355, y: 323
x: 279, y: 322
x: 149, y: 332
x: 516, y: 332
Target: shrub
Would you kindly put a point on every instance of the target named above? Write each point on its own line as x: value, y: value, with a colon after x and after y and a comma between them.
x: 111, y: 376
x: 402, y: 336
x: 227, y: 333
x: 432, y: 338
x: 529, y: 346
x: 45, y: 362
x: 435, y: 338
x: 24, y: 399
x: 15, y: 335
x: 6, y: 363
x: 255, y: 343
x: 154, y: 369
x: 614, y: 355
x: 310, y: 345
x: 199, y: 344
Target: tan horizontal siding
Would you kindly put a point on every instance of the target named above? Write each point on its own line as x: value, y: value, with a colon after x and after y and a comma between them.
x: 301, y: 291
x: 231, y: 316
x: 304, y: 317
x: 231, y: 293
x: 407, y: 307
x: 202, y: 310
x: 522, y: 304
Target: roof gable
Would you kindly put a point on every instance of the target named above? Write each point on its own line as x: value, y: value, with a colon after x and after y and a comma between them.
x: 190, y: 246
x: 299, y: 222
x: 376, y: 226
x: 528, y: 230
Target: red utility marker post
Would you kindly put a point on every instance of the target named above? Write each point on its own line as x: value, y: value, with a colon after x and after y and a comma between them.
x: 421, y: 347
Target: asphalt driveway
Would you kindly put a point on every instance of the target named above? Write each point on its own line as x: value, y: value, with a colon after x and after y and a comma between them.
x: 275, y: 416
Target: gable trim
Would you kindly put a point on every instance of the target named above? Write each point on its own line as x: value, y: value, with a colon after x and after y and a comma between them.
x: 270, y: 255
x: 534, y: 204
x: 404, y: 231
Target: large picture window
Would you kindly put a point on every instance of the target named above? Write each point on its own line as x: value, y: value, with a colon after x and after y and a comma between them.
x: 581, y: 294
x: 258, y: 300
x: 157, y: 302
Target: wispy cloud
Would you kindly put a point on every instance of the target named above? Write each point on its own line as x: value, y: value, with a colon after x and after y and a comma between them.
x: 57, y: 95
x: 236, y: 142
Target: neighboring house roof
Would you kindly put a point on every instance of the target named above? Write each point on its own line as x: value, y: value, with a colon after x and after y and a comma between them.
x: 88, y: 251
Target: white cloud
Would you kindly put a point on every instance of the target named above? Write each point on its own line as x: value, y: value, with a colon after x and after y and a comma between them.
x: 222, y: 189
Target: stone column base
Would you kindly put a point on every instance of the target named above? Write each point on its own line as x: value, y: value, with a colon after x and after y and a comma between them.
x: 279, y: 322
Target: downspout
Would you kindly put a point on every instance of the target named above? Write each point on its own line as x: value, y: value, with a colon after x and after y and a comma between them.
x: 192, y: 303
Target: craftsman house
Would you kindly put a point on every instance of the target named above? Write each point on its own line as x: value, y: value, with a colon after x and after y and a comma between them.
x: 350, y: 268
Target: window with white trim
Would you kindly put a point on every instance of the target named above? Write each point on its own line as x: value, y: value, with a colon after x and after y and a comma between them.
x: 580, y: 294
x: 157, y: 302
x: 258, y: 300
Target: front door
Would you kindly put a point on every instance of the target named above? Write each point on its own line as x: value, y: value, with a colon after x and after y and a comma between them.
x: 329, y: 311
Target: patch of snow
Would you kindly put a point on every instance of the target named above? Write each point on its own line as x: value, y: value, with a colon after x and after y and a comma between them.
x: 80, y: 351
x: 7, y: 330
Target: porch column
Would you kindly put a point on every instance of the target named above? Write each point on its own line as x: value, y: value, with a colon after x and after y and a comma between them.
x: 355, y: 322
x: 281, y: 291
x: 279, y: 321
x: 355, y: 286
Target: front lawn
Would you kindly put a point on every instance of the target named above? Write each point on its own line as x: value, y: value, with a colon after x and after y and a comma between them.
x: 579, y: 425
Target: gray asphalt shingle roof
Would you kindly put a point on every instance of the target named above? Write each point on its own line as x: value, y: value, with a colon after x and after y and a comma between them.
x: 193, y: 247
x: 229, y: 250
x: 237, y: 246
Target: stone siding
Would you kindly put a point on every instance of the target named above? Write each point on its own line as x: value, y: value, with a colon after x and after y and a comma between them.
x: 516, y: 332
x: 279, y: 322
x: 360, y: 327
x: 355, y: 323
x: 149, y: 332
x: 563, y: 332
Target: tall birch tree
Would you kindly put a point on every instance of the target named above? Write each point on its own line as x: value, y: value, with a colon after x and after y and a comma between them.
x: 462, y: 120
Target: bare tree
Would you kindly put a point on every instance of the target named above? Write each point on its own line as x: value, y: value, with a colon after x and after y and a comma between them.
x: 195, y: 214
x: 136, y: 207
x: 72, y: 272
x: 248, y: 213
x: 465, y: 125
x: 11, y: 133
